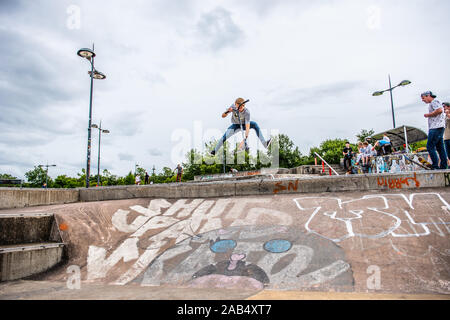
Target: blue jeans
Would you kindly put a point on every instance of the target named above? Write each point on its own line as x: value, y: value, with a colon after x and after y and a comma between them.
x: 436, y: 142
x: 447, y: 147
x: 237, y: 127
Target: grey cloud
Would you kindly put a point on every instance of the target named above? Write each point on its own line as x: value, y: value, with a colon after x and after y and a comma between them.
x: 29, y: 83
x: 127, y: 126
x: 10, y: 6
x: 265, y: 7
x: 7, y: 159
x: 306, y: 96
x: 125, y: 157
x: 218, y: 30
x: 155, y: 152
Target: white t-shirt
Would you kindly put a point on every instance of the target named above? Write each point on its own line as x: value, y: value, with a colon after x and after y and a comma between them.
x: 439, y: 120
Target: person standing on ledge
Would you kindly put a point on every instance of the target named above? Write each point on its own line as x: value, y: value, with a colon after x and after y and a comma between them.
x: 436, y: 127
x: 446, y: 106
x: 179, y: 170
x: 240, y: 115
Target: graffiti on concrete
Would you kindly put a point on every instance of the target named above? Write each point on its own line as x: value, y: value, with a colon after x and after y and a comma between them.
x: 280, y: 186
x: 447, y: 179
x: 181, y: 220
x: 397, y: 215
x: 395, y: 163
x: 397, y: 183
x: 248, y: 257
x: 200, y: 242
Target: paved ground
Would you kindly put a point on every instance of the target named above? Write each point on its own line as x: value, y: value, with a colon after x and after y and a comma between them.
x: 348, y: 245
x: 50, y: 290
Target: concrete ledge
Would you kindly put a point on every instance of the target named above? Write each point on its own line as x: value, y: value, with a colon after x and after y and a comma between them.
x: 27, y: 197
x: 16, y: 264
x: 265, y: 186
x: 11, y: 198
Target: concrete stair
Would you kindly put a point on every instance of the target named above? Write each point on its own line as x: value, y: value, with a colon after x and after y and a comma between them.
x: 29, y: 244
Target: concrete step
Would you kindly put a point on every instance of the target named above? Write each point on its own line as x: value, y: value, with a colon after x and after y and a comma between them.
x: 23, y: 260
x: 30, y: 243
x: 23, y: 228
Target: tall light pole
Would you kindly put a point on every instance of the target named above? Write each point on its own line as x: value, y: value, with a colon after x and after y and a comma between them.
x: 379, y: 93
x: 94, y: 74
x: 46, y: 171
x: 100, y: 131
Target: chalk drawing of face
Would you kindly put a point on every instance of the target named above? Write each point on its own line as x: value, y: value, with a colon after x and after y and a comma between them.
x: 251, y: 257
x: 232, y: 273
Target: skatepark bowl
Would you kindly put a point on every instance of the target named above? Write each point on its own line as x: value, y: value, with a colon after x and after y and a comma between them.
x: 265, y: 236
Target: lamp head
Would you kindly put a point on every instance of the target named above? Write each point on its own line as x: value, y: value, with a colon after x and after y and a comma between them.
x: 94, y: 126
x: 97, y: 75
x: 86, y: 53
x: 404, y: 83
x: 377, y: 93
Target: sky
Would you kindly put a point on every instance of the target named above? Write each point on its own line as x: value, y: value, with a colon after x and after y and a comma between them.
x: 172, y: 67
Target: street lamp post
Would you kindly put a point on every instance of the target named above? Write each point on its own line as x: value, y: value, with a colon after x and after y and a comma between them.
x: 46, y: 171
x: 94, y: 74
x: 100, y: 131
x: 379, y: 93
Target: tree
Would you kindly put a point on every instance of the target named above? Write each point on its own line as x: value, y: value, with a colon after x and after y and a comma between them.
x: 7, y: 176
x: 141, y: 173
x: 129, y: 179
x: 63, y: 181
x: 289, y: 157
x: 108, y: 179
x: 331, y: 150
x: 364, y: 134
x: 37, y: 177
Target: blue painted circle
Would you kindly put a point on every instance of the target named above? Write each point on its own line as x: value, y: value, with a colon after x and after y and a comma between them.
x: 223, y: 246
x: 277, y: 246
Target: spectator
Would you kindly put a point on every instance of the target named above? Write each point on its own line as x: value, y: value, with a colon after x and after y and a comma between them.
x: 348, y: 154
x: 436, y: 128
x: 179, y: 169
x: 446, y: 106
x: 360, y: 152
x: 137, y: 180
x: 367, y: 152
x: 383, y: 147
x: 147, y: 177
x: 233, y: 170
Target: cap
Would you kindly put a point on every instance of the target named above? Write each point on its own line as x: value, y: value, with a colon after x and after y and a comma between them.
x: 428, y: 93
x: 446, y: 104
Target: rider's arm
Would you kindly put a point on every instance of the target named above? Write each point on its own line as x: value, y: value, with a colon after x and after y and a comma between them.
x: 247, y: 130
x: 227, y: 112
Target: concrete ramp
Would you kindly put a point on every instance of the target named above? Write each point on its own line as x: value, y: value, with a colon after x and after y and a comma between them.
x: 372, y: 241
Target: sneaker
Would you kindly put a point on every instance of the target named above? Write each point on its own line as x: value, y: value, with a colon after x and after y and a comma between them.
x: 268, y: 142
x: 213, y: 153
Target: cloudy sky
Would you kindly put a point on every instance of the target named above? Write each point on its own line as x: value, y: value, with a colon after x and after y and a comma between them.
x: 172, y: 66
